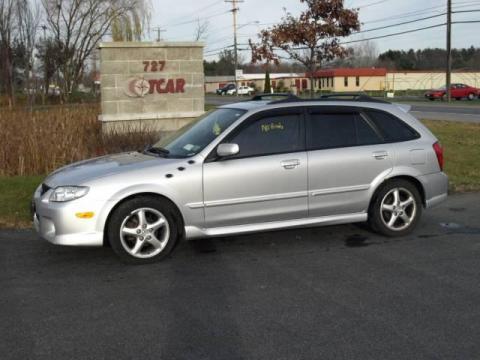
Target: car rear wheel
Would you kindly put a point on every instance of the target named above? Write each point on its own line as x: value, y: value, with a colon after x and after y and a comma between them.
x: 143, y: 230
x: 396, y: 208
x: 471, y: 96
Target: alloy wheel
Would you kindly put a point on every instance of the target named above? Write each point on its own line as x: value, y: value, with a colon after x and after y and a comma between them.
x: 398, y: 209
x: 144, y: 233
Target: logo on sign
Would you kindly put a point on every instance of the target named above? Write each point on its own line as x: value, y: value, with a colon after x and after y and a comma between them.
x: 137, y: 87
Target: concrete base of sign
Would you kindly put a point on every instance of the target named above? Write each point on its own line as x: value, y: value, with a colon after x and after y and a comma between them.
x: 151, y: 85
x: 143, y: 124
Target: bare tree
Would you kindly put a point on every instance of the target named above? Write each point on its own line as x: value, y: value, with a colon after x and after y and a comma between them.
x: 8, y: 27
x: 77, y: 26
x: 131, y: 25
x: 28, y: 16
x: 201, y: 30
x: 365, y: 54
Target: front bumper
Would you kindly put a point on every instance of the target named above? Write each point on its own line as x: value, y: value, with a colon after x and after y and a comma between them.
x: 58, y: 224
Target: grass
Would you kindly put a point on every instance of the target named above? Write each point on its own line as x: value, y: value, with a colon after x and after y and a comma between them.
x: 461, y: 142
x: 462, y: 163
x: 15, y: 195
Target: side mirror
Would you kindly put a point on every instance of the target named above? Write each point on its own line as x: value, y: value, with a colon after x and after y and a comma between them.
x: 225, y: 150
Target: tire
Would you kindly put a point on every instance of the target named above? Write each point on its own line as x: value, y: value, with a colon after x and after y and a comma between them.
x: 384, y: 207
x: 143, y: 230
x: 471, y: 96
x: 458, y: 99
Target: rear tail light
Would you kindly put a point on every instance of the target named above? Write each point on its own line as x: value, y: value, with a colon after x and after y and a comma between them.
x: 439, y: 152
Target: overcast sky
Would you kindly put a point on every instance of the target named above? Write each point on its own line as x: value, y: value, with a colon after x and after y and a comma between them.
x: 178, y: 18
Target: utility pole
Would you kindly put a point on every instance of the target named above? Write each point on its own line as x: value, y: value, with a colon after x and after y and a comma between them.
x: 159, y: 31
x: 235, y: 43
x: 44, y: 28
x: 449, y: 49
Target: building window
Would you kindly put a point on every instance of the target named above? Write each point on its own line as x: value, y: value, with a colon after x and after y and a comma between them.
x: 304, y: 84
x: 345, y: 81
x: 357, y: 81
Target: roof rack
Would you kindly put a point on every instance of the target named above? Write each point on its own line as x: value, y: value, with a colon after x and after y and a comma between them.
x: 267, y: 96
x: 352, y: 97
x: 327, y: 97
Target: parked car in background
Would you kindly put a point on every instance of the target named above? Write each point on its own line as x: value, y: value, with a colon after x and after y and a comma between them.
x: 251, y: 166
x: 224, y: 90
x: 242, y: 90
x: 458, y: 92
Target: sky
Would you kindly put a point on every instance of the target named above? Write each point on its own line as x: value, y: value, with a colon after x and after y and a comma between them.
x: 179, y: 19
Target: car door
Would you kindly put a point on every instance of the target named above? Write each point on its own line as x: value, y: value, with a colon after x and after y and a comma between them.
x: 346, y: 157
x: 267, y: 180
x: 456, y: 91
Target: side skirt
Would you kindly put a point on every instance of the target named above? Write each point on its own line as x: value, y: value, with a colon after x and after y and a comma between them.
x: 193, y: 232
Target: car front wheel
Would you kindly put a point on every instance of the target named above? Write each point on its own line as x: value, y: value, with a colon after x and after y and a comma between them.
x: 143, y: 230
x: 471, y: 96
x: 395, y: 209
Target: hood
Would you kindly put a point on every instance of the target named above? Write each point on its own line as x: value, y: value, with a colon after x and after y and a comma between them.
x: 83, y: 171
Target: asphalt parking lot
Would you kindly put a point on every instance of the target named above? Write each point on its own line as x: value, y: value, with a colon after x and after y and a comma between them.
x: 320, y: 293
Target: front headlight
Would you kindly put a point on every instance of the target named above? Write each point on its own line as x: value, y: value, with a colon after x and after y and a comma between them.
x: 68, y: 193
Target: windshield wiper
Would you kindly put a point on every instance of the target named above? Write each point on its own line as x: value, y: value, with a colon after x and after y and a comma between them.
x: 156, y: 150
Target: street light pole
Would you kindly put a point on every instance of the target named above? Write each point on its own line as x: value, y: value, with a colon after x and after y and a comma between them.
x: 449, y: 49
x: 235, y: 42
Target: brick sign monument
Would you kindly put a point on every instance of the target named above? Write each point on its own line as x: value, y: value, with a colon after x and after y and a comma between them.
x: 159, y: 86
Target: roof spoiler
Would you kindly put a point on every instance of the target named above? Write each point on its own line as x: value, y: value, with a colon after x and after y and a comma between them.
x: 404, y: 107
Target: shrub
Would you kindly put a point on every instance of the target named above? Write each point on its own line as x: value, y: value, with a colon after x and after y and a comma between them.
x: 37, y: 142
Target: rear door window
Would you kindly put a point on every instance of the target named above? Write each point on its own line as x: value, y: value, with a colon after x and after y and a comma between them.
x: 392, y: 128
x: 336, y: 130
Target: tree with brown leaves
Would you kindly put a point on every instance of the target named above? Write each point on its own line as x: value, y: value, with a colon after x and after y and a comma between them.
x: 310, y: 39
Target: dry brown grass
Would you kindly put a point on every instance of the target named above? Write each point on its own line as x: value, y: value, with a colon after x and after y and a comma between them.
x: 37, y: 142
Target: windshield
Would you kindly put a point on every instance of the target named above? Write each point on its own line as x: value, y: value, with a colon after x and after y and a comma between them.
x: 194, y: 137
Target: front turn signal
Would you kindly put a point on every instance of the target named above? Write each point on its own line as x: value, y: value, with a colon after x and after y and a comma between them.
x: 85, y: 215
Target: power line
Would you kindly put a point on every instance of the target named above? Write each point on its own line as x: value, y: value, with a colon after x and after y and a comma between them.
x: 442, y: 8
x: 371, y: 4
x: 394, y: 34
x: 199, y: 18
x: 222, y: 48
x: 398, y: 24
x: 413, y: 21
x: 202, y: 9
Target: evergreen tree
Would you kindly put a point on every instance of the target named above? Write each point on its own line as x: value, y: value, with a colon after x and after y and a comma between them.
x: 268, y: 86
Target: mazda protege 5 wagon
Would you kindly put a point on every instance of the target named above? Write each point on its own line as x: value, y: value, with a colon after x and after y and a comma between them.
x: 251, y: 166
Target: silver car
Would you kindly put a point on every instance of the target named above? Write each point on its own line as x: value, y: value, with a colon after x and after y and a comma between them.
x: 252, y: 166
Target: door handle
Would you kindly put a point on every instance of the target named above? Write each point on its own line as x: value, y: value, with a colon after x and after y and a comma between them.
x: 380, y: 155
x: 290, y: 164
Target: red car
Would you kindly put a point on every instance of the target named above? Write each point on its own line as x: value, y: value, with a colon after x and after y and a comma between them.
x: 458, y: 91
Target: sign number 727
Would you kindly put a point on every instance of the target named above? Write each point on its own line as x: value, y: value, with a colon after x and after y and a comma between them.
x: 153, y: 66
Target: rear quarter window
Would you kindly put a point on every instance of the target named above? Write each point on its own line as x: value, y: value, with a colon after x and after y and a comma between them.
x: 392, y: 128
